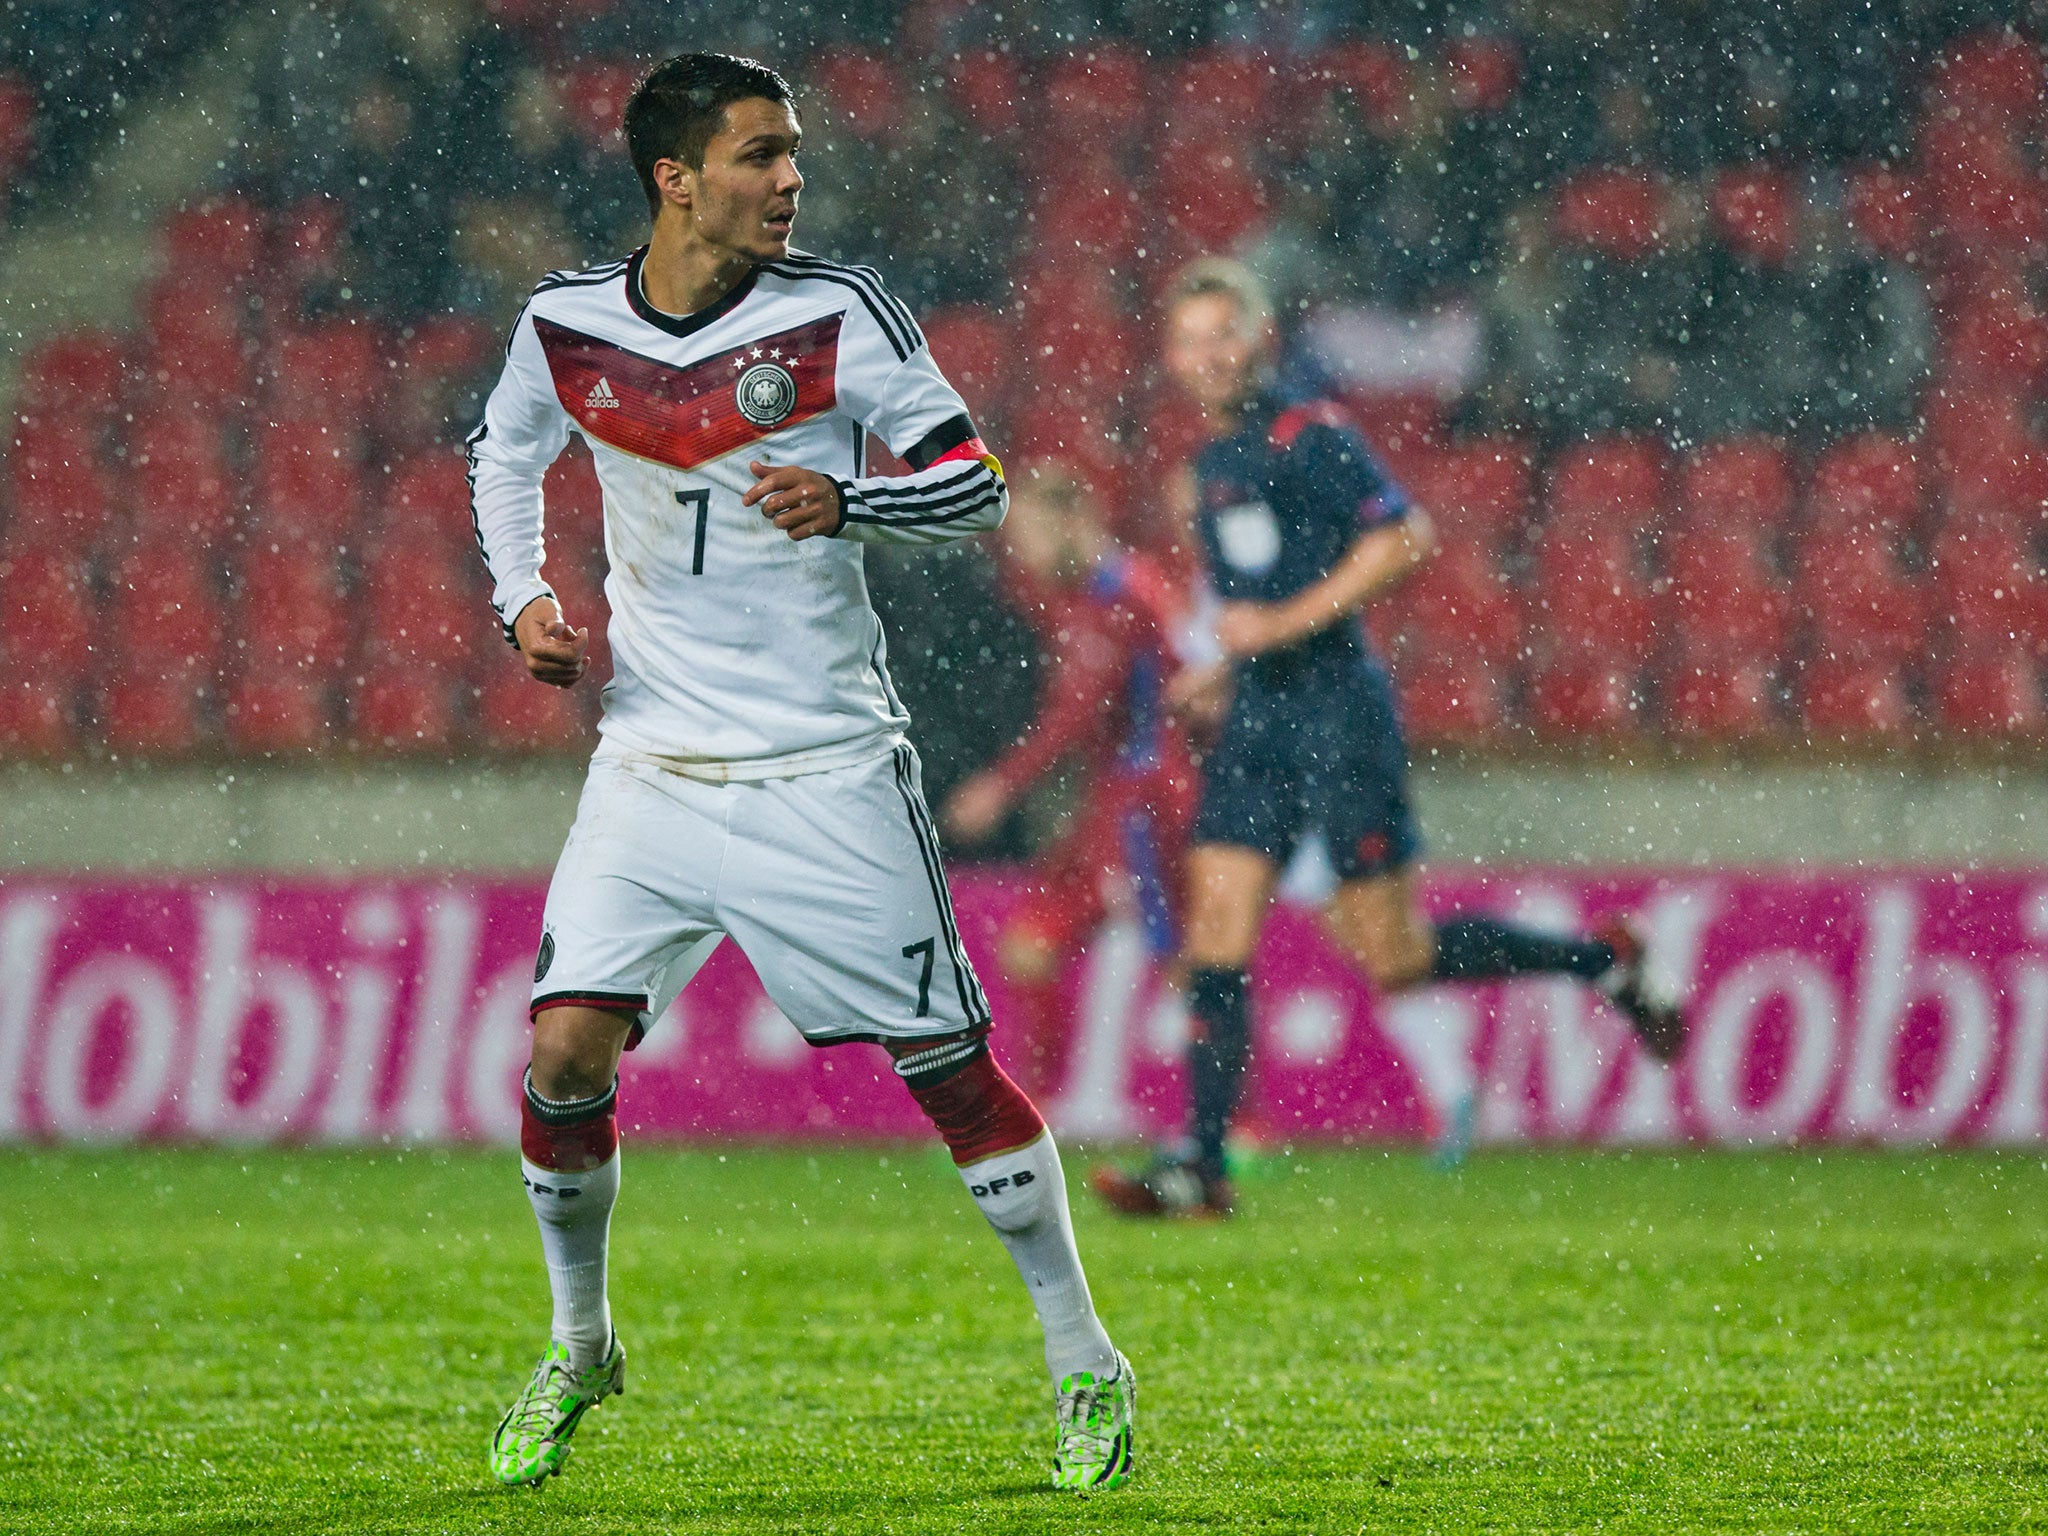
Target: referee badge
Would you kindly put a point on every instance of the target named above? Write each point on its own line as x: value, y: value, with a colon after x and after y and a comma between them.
x: 766, y: 394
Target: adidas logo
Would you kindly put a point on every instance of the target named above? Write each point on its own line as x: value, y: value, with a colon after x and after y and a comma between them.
x: 601, y: 397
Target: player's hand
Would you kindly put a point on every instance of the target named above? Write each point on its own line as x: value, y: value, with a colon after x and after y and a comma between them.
x: 1200, y: 697
x: 554, y: 652
x: 975, y: 809
x: 801, y: 502
x: 1248, y: 629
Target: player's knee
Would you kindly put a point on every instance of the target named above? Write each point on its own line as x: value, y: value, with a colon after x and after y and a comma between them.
x: 1392, y: 961
x: 576, y: 1051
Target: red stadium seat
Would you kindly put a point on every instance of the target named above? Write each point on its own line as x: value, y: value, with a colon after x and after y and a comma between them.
x: 1999, y: 342
x: 1451, y: 700
x: 142, y: 715
x: 978, y: 353
x: 396, y: 707
x: 1576, y: 695
x: 217, y: 243
x: 1869, y: 479
x: 35, y: 721
x: 292, y: 611
x: 1485, y: 72
x: 47, y: 626
x: 1886, y: 209
x: 1404, y: 427
x: 1219, y: 94
x: 428, y: 496
x: 1099, y: 94
x: 1589, y: 594
x: 1754, y: 213
x: 76, y: 374
x: 277, y: 709
x: 1988, y: 585
x: 307, y: 481
x: 419, y: 601
x: 198, y: 357
x: 517, y: 714
x: 1375, y: 74
x: 984, y: 88
x: 164, y: 615
x: 1090, y: 213
x: 1991, y: 209
x: 63, y: 497
x: 306, y: 245
x: 1738, y: 483
x: 1990, y: 689
x: 1860, y: 602
x: 330, y: 370
x: 178, y: 481
x: 1617, y: 213
x: 1476, y: 492
x: 430, y: 363
x: 17, y: 128
x: 1725, y: 603
x: 1610, y: 479
x: 594, y: 93
x: 1460, y: 604
x: 1992, y: 78
x: 1724, y: 701
x: 1853, y: 698
x: 1211, y: 196
x: 866, y: 90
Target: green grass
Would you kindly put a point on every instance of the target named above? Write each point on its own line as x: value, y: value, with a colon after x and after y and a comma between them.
x: 262, y: 1341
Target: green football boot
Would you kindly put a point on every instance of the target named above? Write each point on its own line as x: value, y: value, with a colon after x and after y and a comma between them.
x: 532, y: 1440
x: 1092, y: 1446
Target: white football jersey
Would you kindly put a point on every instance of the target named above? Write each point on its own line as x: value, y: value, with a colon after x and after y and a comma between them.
x: 737, y: 654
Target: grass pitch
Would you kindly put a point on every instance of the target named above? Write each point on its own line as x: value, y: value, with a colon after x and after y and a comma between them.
x: 832, y: 1341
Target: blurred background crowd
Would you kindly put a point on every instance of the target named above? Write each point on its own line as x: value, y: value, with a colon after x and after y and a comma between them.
x: 1712, y: 335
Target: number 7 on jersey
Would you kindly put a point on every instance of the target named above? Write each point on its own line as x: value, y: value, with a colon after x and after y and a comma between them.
x: 702, y: 498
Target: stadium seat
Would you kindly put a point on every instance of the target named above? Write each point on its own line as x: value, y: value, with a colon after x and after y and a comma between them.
x: 1616, y: 213
x: 63, y: 497
x: 79, y: 375
x: 1720, y: 701
x: 218, y: 243
x: 1404, y: 427
x: 1477, y: 491
x: 1859, y: 601
x: 152, y: 715
x: 1577, y: 695
x: 985, y: 89
x: 593, y: 94
x: 1589, y: 593
x: 1853, y: 698
x: 431, y: 362
x: 35, y: 720
x: 48, y: 628
x: 1998, y: 342
x: 1484, y: 72
x: 279, y: 709
x: 178, y: 479
x: 1218, y: 94
x: 1098, y: 94
x: 330, y: 370
x: 306, y: 244
x: 197, y: 355
x: 1886, y: 209
x: 1090, y: 212
x: 1608, y: 480
x: 1460, y: 604
x: 517, y: 714
x: 1738, y: 483
x: 164, y: 616
x: 866, y: 90
x: 1990, y: 689
x: 1753, y: 213
x: 420, y: 601
x: 292, y: 611
x: 1987, y: 582
x: 1375, y: 74
x: 17, y: 128
x: 395, y: 707
x: 1211, y: 196
x: 1451, y: 700
x: 1869, y: 479
x: 1724, y: 602
x: 978, y: 353
x: 307, y: 481
x: 428, y: 497
x: 1991, y: 78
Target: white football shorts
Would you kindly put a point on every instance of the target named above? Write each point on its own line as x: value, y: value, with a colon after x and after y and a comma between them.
x: 829, y: 882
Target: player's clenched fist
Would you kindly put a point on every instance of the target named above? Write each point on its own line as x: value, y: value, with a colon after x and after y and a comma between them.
x: 554, y: 652
x: 801, y: 502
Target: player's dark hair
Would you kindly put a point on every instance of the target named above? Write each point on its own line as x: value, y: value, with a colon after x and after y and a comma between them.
x: 679, y: 108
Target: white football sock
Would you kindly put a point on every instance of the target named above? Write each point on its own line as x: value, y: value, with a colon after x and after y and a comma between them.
x: 575, y: 1211
x: 1024, y: 1196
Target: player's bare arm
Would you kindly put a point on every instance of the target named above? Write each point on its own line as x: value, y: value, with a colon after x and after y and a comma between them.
x: 801, y: 502
x: 554, y: 651
x: 1379, y: 561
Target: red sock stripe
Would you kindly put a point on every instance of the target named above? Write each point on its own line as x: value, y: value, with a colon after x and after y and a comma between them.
x: 980, y: 1112
x: 568, y: 1148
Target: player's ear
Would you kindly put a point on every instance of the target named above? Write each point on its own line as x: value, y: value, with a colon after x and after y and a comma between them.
x: 676, y: 182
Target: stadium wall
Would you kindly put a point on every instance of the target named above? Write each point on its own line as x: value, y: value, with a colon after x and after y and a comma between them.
x: 1888, y: 1005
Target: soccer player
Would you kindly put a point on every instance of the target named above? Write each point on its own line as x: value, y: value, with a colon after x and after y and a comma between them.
x: 1107, y: 618
x: 754, y: 780
x: 1300, y: 530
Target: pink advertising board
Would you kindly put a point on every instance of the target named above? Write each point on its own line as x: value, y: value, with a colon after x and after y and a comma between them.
x: 1878, y: 1006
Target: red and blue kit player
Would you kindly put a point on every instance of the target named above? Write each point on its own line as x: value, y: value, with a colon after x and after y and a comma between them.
x: 1107, y: 620
x: 1301, y: 528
